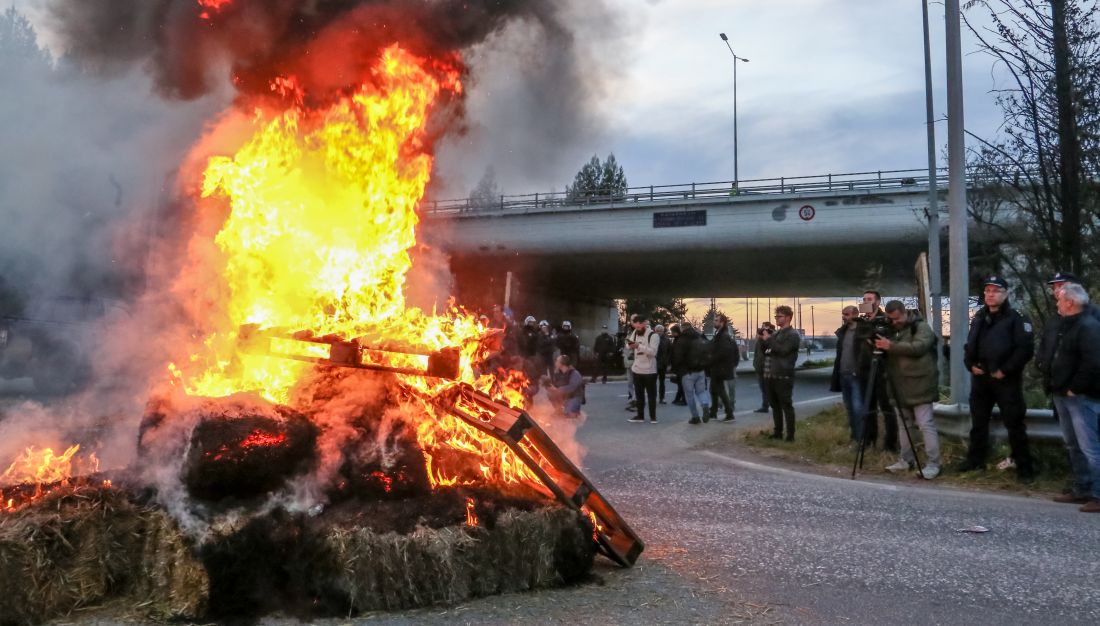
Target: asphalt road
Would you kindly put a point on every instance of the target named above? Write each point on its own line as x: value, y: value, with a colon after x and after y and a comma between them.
x: 730, y: 540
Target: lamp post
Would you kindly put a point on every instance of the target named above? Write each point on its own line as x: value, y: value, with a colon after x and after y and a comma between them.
x: 735, y: 60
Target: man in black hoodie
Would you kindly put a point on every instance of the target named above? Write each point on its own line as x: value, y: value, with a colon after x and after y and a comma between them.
x: 999, y: 345
x: 722, y: 367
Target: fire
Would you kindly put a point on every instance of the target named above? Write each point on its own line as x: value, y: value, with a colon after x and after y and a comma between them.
x: 211, y: 7
x: 43, y: 466
x: 471, y: 515
x: 321, y: 206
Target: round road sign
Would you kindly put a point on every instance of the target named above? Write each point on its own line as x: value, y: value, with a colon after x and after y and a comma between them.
x: 807, y: 213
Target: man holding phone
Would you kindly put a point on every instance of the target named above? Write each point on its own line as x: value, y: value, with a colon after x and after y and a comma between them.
x: 644, y: 344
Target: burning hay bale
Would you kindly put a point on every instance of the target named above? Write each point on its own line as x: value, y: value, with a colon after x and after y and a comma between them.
x: 90, y: 544
x: 93, y: 545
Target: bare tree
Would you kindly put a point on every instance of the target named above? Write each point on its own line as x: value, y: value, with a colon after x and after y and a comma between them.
x: 1036, y: 188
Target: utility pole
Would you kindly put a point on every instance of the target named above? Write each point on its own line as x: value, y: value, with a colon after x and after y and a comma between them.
x: 956, y: 203
x: 934, y: 283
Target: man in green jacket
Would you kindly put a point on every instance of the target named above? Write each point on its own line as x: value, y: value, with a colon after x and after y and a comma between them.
x: 911, y: 366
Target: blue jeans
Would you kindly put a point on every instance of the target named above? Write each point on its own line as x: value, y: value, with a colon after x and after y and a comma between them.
x: 695, y: 389
x: 1083, y: 413
x: 851, y: 389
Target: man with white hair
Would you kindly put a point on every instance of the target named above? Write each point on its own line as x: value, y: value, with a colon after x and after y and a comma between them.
x: 1075, y: 383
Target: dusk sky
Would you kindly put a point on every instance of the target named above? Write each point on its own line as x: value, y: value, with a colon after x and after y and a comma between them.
x: 832, y: 86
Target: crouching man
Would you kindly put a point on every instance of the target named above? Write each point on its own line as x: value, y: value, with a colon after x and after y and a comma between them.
x: 566, y: 389
x: 911, y: 365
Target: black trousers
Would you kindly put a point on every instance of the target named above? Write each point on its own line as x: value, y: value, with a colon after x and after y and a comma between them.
x: 603, y: 364
x: 661, y: 383
x: 780, y: 395
x: 1008, y: 395
x: 881, y: 403
x: 645, y: 389
x: 719, y: 393
x: 765, y: 403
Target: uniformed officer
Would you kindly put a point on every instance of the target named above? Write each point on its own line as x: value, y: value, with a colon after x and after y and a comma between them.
x: 998, y: 347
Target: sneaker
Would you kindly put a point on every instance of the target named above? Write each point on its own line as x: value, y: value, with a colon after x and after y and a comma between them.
x: 1092, y: 506
x: 630, y: 407
x: 661, y: 402
x: 775, y: 436
x: 900, y: 466
x: 695, y: 420
x: 728, y: 418
x: 653, y: 421
x: 762, y: 409
x: 680, y: 402
x: 789, y: 439
x: 1069, y: 498
x: 636, y: 420
x: 1008, y: 463
x: 929, y: 472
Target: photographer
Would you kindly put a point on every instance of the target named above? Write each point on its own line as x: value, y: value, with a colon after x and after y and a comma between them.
x: 873, y: 317
x: 780, y: 354
x: 758, y: 365
x: 851, y: 368
x: 910, y: 348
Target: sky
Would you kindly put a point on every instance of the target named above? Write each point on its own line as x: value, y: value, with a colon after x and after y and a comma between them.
x: 832, y: 86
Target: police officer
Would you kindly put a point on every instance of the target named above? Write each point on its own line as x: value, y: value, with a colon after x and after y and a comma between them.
x: 998, y: 347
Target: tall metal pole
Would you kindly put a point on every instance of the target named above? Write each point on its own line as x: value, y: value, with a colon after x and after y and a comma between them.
x: 956, y: 202
x: 934, y: 271
x: 736, y: 59
x: 736, y: 179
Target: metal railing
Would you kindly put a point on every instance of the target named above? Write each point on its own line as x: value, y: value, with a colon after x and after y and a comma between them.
x: 854, y: 181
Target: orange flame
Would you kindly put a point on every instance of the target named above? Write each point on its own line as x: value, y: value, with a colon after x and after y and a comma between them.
x: 44, y: 466
x: 322, y: 215
x: 471, y: 516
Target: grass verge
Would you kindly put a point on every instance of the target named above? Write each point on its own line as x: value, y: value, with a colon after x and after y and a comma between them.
x: 822, y: 440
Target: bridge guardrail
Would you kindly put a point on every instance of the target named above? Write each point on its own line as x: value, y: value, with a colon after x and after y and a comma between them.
x: 855, y: 181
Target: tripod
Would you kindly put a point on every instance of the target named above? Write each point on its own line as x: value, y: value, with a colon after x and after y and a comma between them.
x: 877, y: 358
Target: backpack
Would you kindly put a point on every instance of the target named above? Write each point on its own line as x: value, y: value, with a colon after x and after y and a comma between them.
x: 701, y: 355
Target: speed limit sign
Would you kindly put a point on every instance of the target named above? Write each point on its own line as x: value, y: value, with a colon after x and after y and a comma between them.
x: 807, y: 213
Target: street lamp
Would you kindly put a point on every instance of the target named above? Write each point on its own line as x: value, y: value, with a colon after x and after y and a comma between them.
x: 735, y: 60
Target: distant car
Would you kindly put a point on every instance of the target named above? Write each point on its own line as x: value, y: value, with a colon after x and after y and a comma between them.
x: 46, y: 343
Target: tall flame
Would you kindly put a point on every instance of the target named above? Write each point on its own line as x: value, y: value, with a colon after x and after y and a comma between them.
x: 322, y: 214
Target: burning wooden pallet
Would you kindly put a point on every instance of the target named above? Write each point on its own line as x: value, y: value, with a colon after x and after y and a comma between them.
x: 528, y: 441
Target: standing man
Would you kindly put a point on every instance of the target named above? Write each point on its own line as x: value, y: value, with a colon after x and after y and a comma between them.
x: 1075, y: 383
x: 758, y: 365
x: 872, y: 312
x: 724, y: 362
x: 998, y: 347
x: 569, y: 343
x: 644, y: 343
x: 851, y: 369
x: 674, y: 336
x: 780, y: 354
x: 664, y: 357
x: 605, y: 353
x: 545, y: 346
x: 689, y: 362
x: 911, y: 365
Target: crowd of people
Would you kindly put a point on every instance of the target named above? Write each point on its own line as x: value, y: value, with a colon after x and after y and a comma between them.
x: 886, y: 367
x: 888, y: 355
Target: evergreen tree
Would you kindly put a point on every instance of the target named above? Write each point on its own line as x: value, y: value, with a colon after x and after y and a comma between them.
x: 612, y: 178
x: 19, y: 43
x: 486, y: 194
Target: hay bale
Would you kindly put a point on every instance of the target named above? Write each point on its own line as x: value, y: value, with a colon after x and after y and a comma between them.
x: 525, y: 550
x: 84, y: 547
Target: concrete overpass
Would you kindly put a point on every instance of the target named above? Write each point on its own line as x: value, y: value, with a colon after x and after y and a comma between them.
x: 810, y: 236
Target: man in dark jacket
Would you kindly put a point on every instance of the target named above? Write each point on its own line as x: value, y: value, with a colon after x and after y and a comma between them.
x: 605, y: 354
x: 758, y: 365
x: 851, y: 369
x: 688, y: 364
x: 569, y: 343
x: 911, y: 365
x: 998, y: 347
x: 880, y: 399
x: 722, y: 366
x: 545, y: 345
x: 1074, y: 376
x: 673, y: 337
x: 780, y: 354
